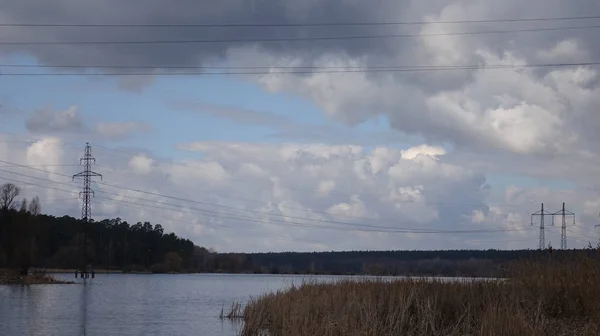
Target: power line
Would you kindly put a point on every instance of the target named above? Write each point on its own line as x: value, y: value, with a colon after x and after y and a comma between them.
x: 44, y: 165
x: 391, y: 229
x: 57, y: 189
x: 573, y: 233
x: 298, y: 39
x: 575, y: 236
x: 304, y: 24
x: 308, y: 225
x: 428, y: 202
x: 37, y: 185
x: 312, y: 68
x: 145, y: 208
x: 359, y: 227
x: 220, y: 226
x: 289, y: 223
x: 321, y: 70
x: 263, y: 213
x: 129, y: 154
x: 395, y: 229
x: 236, y: 208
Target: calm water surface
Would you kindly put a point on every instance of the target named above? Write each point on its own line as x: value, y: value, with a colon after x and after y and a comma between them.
x: 124, y: 304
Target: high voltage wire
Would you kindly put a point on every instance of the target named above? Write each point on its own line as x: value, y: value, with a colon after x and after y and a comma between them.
x: 145, y: 208
x: 282, y: 185
x: 227, y: 207
x: 296, y: 39
x: 220, y: 226
x: 304, y: 24
x: 358, y: 227
x: 43, y: 165
x: 269, y: 67
x: 322, y: 70
x: 395, y: 229
x: 305, y: 225
x: 210, y: 212
x: 288, y: 223
x: 41, y: 186
x: 205, y: 224
x: 318, y: 68
x: 128, y: 155
x: 573, y: 235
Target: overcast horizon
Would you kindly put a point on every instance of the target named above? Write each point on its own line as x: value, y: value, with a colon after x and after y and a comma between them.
x: 390, y: 128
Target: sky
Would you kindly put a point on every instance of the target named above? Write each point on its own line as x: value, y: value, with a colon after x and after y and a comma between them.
x: 197, y: 129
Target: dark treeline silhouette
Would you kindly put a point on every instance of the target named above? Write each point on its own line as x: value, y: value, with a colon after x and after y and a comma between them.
x: 30, y: 239
x: 466, y: 263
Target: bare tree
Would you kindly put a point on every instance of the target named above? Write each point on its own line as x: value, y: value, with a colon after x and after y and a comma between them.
x: 8, y: 193
x: 35, y: 208
x: 24, y: 205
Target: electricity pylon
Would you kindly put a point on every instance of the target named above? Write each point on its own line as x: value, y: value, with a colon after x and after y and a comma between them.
x: 86, y: 210
x: 541, y: 213
x: 563, y: 233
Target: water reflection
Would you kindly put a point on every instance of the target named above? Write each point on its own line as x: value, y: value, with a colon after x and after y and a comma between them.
x: 84, y: 305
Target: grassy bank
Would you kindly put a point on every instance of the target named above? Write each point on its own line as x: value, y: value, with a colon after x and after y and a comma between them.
x: 553, y: 298
x: 10, y: 278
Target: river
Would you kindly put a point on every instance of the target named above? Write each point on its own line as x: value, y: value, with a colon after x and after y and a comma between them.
x: 135, y: 304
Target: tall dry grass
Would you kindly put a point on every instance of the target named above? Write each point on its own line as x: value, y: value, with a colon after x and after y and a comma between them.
x: 541, y: 298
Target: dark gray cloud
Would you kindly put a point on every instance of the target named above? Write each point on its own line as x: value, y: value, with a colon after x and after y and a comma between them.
x: 375, y: 51
x: 154, y: 12
x: 425, y: 104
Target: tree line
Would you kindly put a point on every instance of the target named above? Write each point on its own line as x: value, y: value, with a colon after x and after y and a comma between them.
x: 29, y: 239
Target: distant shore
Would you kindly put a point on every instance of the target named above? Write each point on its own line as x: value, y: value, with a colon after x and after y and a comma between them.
x: 67, y: 271
x: 7, y: 278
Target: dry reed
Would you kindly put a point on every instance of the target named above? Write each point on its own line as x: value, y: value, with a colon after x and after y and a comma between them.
x: 549, y: 298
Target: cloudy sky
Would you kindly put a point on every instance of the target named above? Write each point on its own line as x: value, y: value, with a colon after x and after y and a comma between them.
x: 379, y: 136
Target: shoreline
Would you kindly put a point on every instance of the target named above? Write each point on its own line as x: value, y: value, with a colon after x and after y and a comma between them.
x: 34, y: 279
x: 333, y: 274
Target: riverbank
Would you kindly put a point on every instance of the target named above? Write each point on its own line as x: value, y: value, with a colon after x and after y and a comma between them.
x: 561, y: 298
x: 72, y: 271
x: 8, y: 278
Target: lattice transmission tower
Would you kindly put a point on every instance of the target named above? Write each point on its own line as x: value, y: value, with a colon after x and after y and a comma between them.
x: 542, y: 213
x: 563, y: 232
x: 86, y: 209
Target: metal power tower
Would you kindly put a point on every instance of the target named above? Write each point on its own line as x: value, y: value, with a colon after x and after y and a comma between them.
x: 563, y: 233
x: 86, y: 210
x: 541, y: 213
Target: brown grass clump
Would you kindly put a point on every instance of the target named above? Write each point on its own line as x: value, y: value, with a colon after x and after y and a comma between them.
x: 543, y: 298
x: 10, y: 278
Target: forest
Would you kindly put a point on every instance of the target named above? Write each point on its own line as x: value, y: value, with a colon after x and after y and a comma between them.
x: 30, y: 239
